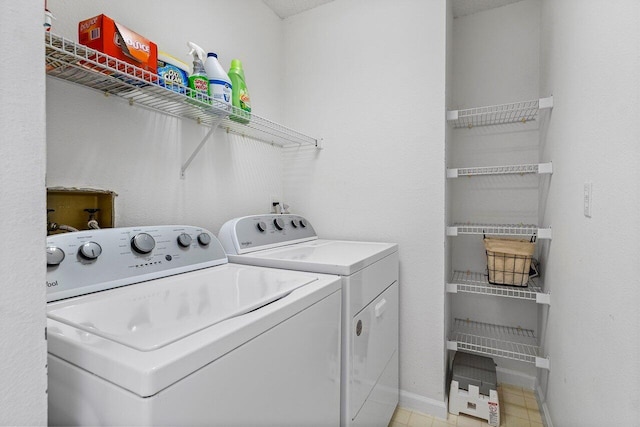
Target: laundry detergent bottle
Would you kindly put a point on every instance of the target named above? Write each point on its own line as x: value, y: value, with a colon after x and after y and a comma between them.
x: 219, y: 83
x: 240, y: 94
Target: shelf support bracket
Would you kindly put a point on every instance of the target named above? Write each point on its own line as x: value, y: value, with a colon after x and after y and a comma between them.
x: 545, y: 233
x: 542, y: 298
x: 543, y: 363
x: 199, y: 147
x: 545, y: 103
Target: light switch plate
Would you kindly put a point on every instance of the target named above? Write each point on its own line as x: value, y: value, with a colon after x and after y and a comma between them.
x: 588, y: 198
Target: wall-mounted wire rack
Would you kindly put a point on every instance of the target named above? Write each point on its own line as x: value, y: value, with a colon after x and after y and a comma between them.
x: 509, y: 342
x: 477, y: 283
x: 75, y: 63
x: 521, y: 230
x: 537, y: 168
x: 522, y: 111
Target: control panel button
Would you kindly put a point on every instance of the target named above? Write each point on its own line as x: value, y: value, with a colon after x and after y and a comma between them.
x: 90, y: 250
x: 262, y: 227
x: 143, y: 243
x: 303, y: 223
x: 294, y: 223
x: 55, y: 255
x: 184, y: 240
x: 279, y: 223
x: 204, y: 239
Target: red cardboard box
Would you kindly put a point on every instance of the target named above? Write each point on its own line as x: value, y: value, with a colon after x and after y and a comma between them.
x: 107, y: 36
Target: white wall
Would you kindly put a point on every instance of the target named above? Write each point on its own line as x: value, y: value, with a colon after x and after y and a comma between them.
x: 101, y: 142
x: 495, y: 61
x: 23, y: 382
x: 376, y: 96
x: 369, y: 78
x: 448, y: 194
x: 591, y: 65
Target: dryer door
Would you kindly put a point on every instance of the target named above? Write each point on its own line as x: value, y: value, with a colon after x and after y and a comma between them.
x: 374, y: 340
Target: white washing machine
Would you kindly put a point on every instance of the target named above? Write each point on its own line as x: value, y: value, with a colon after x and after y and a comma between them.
x: 369, y: 274
x: 152, y: 326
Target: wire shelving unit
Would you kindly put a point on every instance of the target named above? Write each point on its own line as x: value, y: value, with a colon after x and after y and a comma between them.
x: 520, y: 230
x: 509, y: 342
x: 515, y: 112
x: 478, y: 283
x: 78, y: 64
x: 536, y: 168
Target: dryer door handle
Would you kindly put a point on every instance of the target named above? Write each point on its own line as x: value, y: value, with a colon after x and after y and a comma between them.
x: 380, y: 307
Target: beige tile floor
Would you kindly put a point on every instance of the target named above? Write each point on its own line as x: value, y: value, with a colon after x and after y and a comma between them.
x: 518, y: 408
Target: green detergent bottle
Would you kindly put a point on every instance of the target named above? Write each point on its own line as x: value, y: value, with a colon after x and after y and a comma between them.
x: 240, y: 94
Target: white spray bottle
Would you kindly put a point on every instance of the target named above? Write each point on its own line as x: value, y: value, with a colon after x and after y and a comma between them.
x: 198, y: 80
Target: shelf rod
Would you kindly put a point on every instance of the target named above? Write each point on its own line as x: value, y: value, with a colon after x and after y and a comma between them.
x: 535, y: 168
x: 199, y: 147
x: 499, y: 230
x: 478, y: 286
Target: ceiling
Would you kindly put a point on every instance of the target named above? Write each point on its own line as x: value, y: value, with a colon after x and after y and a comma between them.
x: 469, y: 7
x: 287, y: 8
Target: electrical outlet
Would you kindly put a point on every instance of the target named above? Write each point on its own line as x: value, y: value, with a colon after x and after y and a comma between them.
x: 275, y: 200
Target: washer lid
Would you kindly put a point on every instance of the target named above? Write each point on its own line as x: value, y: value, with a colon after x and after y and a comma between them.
x: 320, y: 256
x: 154, y: 314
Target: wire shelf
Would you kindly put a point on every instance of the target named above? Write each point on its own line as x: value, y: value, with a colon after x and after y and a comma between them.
x: 521, y: 230
x: 537, y: 168
x: 75, y: 63
x: 477, y: 283
x: 522, y: 111
x: 509, y: 342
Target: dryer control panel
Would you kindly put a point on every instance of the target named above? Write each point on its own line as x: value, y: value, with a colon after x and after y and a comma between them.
x: 258, y: 232
x: 89, y: 261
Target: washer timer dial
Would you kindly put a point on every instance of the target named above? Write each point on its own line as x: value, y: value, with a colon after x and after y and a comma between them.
x: 184, y: 240
x: 55, y: 255
x: 204, y: 239
x: 143, y: 243
x: 279, y: 223
x: 90, y: 250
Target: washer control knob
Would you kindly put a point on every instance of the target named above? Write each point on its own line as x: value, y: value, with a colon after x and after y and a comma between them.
x: 55, y: 255
x: 262, y: 227
x: 143, y: 243
x: 294, y: 223
x: 184, y: 240
x: 204, y: 239
x: 279, y: 223
x: 303, y: 223
x: 90, y: 250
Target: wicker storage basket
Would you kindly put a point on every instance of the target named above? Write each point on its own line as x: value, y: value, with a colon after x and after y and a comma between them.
x: 508, y: 260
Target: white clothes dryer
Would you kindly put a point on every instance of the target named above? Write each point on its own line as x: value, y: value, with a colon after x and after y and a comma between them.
x: 152, y: 326
x: 369, y: 274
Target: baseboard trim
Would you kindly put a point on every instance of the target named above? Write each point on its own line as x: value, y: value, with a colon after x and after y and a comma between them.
x: 425, y: 405
x: 516, y: 378
x: 543, y: 407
